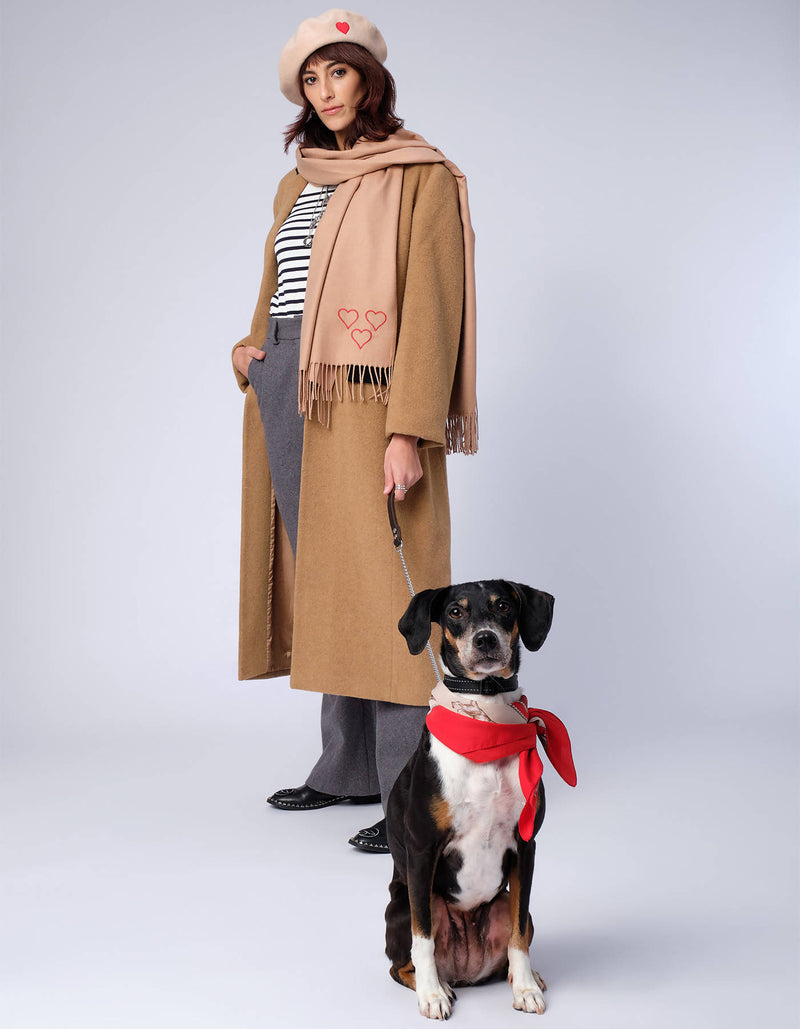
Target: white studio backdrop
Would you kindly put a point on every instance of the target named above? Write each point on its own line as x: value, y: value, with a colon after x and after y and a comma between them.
x: 633, y: 175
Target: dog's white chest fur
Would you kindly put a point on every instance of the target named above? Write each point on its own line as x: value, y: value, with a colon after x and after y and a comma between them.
x: 485, y: 801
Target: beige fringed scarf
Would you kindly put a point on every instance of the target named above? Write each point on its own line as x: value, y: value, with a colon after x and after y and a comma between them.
x: 350, y: 312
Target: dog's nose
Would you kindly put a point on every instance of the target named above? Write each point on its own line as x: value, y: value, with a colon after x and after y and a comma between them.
x: 485, y: 640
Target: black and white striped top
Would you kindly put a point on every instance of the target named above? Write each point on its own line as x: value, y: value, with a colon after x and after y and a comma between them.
x: 292, y: 254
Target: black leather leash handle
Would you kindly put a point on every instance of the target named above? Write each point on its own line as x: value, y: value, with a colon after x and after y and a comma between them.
x: 397, y: 536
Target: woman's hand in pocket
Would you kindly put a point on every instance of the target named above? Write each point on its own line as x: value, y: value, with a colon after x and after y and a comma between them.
x: 242, y: 356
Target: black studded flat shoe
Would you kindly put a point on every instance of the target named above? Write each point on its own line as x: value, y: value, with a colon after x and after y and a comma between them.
x: 304, y: 798
x: 374, y: 838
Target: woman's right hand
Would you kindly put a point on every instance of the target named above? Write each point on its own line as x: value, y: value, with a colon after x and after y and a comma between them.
x: 242, y: 356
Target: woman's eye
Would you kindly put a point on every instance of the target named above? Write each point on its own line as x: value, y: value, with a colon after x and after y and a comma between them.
x: 339, y: 72
x: 309, y: 81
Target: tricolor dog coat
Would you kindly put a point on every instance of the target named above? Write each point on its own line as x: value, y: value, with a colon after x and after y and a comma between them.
x: 464, y: 812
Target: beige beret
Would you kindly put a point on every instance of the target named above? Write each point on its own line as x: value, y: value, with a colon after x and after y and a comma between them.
x: 335, y: 26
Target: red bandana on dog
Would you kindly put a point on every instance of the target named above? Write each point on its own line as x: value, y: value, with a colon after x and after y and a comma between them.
x: 480, y: 740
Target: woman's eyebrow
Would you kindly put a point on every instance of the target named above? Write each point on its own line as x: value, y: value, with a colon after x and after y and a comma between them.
x: 329, y: 64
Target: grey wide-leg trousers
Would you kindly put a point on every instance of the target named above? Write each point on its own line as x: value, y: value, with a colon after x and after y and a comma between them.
x: 365, y: 743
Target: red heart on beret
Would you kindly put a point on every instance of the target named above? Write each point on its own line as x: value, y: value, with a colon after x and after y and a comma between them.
x: 342, y: 26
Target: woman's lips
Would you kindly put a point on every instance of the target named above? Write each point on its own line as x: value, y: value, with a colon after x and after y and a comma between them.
x: 331, y: 110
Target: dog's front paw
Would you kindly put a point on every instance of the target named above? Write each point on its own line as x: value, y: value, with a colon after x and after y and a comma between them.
x: 527, y: 986
x: 528, y: 998
x: 437, y: 1003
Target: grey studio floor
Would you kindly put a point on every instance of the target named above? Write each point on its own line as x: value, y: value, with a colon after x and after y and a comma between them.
x: 150, y: 885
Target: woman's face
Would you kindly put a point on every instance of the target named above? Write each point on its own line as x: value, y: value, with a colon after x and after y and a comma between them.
x: 334, y: 89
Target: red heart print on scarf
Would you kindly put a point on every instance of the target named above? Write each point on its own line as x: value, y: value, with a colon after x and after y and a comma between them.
x: 342, y: 26
x: 375, y: 319
x: 361, y: 337
x: 349, y: 318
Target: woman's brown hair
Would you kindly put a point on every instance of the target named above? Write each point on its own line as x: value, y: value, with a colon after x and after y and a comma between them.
x: 376, y: 118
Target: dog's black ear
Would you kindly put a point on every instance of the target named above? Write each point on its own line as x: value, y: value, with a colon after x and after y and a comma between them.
x: 535, y: 614
x: 415, y: 624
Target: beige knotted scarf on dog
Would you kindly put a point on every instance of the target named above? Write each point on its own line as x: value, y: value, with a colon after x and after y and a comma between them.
x: 350, y: 312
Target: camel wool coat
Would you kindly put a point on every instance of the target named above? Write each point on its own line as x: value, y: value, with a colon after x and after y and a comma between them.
x: 330, y: 617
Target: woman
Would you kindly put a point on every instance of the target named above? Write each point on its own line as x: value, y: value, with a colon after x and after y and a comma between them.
x: 359, y: 373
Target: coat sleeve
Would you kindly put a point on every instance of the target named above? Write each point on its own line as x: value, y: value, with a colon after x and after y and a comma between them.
x: 430, y: 314
x: 258, y: 327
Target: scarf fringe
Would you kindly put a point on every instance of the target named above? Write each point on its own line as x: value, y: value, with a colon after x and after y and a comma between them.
x: 321, y: 384
x: 462, y: 433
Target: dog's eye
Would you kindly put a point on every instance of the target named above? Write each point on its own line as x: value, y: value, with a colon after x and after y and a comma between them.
x: 455, y: 612
x: 502, y: 606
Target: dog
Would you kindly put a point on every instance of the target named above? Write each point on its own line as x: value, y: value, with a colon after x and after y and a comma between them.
x: 461, y: 828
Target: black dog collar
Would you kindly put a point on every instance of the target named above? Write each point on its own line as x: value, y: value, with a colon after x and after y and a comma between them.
x: 488, y: 687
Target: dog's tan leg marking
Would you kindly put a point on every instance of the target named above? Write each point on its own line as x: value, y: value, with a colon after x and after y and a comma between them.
x: 406, y: 976
x: 527, y: 986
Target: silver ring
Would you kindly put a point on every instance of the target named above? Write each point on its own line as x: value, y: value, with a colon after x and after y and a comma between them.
x: 399, y: 485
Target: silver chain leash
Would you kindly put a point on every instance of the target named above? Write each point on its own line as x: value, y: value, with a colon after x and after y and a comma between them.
x: 398, y: 546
